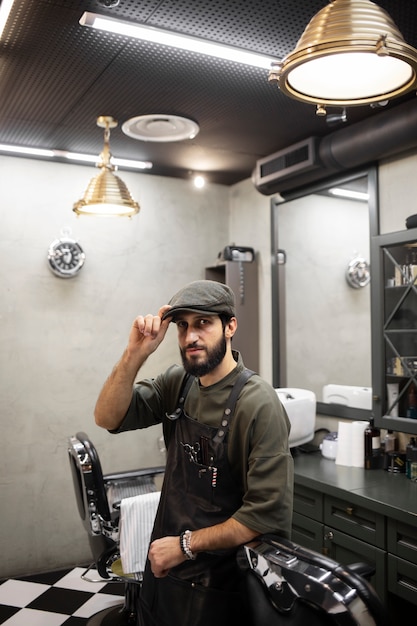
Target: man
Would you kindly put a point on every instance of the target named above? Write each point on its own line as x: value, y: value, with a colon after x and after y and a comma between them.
x: 229, y: 471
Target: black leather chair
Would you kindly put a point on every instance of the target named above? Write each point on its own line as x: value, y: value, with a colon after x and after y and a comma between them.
x: 292, y: 586
x: 98, y: 499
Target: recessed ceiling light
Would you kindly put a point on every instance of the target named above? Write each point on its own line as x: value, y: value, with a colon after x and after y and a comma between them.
x: 199, y: 181
x: 160, y: 127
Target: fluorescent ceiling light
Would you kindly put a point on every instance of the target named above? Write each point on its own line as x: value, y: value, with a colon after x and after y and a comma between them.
x: 140, y: 165
x: 349, y: 193
x: 73, y: 156
x: 5, y: 8
x: 30, y: 151
x: 184, y: 42
x: 92, y: 158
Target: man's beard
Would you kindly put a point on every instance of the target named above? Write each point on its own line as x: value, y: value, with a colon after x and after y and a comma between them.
x: 214, y: 357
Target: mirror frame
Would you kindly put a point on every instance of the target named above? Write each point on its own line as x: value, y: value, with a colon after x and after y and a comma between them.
x: 278, y: 305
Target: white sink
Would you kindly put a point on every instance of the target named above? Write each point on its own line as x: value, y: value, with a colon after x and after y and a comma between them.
x: 358, y: 397
x: 300, y: 405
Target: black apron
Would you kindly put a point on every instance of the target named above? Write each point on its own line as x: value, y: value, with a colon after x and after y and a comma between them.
x: 198, y: 491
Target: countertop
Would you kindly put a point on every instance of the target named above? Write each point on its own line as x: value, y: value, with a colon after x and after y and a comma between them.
x: 393, y: 495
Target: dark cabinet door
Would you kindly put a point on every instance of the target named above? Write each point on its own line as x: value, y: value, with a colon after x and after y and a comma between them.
x: 394, y: 330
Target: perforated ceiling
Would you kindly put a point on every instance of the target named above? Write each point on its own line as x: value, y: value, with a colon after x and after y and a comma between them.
x: 56, y: 77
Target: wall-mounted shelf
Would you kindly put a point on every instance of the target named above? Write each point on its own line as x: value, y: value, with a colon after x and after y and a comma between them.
x: 242, y: 278
x: 394, y: 330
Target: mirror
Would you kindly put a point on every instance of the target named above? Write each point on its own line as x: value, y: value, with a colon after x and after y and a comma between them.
x: 321, y: 317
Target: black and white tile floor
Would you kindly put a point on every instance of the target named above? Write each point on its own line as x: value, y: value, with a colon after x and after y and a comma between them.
x: 56, y: 599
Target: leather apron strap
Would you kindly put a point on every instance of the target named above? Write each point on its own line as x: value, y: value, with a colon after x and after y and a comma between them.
x: 231, y: 403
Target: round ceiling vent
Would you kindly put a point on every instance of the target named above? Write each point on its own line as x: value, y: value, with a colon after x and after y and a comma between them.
x: 160, y: 128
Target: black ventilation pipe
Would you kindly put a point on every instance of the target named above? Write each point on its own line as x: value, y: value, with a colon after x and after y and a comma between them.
x: 387, y: 134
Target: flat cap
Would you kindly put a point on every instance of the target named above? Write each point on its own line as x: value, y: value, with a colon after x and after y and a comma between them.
x: 203, y: 296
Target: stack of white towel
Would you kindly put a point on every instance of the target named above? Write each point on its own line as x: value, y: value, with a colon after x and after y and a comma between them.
x: 137, y: 515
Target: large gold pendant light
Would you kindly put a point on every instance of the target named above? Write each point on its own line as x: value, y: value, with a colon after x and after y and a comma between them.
x: 351, y: 53
x: 106, y: 194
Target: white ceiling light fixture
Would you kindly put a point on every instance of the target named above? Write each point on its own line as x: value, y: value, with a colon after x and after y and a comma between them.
x: 349, y: 193
x: 160, y: 128
x: 351, y: 53
x: 5, y: 9
x: 175, y: 40
x: 78, y: 157
x: 92, y: 158
x: 106, y: 194
x: 24, y: 151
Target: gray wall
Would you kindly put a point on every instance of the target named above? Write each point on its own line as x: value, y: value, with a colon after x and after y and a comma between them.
x: 59, y: 338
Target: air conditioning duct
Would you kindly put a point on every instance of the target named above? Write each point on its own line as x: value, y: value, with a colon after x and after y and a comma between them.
x: 386, y: 134
x: 287, y: 165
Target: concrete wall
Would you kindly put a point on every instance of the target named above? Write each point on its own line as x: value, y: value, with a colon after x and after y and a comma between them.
x: 398, y: 192
x: 59, y: 338
x: 250, y: 226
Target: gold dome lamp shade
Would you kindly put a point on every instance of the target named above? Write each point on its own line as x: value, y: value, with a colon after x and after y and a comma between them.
x: 351, y: 53
x: 106, y: 194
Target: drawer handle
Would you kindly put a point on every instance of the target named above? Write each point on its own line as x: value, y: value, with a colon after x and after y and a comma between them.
x: 349, y: 510
x: 329, y: 535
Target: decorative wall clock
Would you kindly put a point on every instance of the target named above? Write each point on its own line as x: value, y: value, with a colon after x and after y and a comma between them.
x: 358, y: 273
x: 65, y: 257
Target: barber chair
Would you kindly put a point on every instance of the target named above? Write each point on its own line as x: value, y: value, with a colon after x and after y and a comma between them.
x: 292, y: 586
x: 98, y: 498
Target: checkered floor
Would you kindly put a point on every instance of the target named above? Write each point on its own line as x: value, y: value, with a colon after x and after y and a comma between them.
x: 56, y: 599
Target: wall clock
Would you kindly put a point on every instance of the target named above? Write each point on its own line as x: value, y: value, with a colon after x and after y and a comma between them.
x: 358, y: 273
x: 65, y: 257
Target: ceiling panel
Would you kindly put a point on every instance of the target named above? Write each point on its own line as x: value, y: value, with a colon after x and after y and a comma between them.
x: 57, y: 77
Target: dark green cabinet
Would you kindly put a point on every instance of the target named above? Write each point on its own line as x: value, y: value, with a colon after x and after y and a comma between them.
x: 352, y: 515
x: 345, y: 532
x: 402, y: 560
x: 346, y: 549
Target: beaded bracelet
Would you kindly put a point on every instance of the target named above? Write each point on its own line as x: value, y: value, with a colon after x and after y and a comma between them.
x: 185, y: 545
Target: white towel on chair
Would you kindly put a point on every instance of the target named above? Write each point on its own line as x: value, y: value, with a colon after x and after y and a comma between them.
x: 137, y: 515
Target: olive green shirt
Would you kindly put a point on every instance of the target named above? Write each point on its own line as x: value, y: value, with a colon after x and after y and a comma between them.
x: 258, y: 449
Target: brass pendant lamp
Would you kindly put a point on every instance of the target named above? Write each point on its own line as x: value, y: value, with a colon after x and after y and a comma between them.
x: 106, y: 194
x: 351, y: 53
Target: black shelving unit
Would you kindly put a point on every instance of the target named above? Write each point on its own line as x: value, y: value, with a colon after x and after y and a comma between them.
x: 394, y: 330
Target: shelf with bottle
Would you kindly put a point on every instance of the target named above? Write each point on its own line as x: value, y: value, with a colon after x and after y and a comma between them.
x: 400, y: 402
x: 401, y: 265
x: 401, y: 366
x: 394, y: 330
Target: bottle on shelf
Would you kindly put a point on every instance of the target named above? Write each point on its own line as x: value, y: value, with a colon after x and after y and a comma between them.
x: 390, y: 444
x: 412, y: 271
x: 411, y: 411
x: 372, y: 446
x: 409, y: 454
x: 405, y: 271
x: 413, y: 465
x: 390, y: 441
